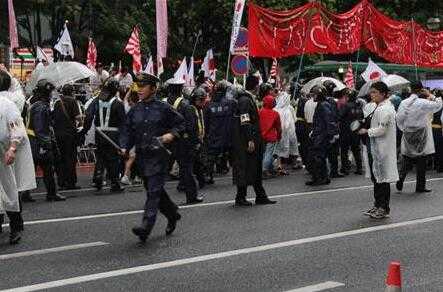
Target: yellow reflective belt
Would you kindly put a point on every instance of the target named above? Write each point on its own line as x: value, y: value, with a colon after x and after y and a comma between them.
x: 29, y: 131
x: 177, y: 102
x: 436, y: 126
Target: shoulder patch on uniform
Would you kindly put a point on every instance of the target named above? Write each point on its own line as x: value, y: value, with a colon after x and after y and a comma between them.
x: 245, y: 118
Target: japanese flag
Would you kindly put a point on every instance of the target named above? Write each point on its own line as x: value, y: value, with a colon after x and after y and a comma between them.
x: 373, y: 72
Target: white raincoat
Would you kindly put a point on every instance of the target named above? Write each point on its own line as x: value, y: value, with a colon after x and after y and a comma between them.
x: 24, y: 164
x: 414, y: 117
x: 11, y: 129
x: 382, y: 136
x: 288, y: 144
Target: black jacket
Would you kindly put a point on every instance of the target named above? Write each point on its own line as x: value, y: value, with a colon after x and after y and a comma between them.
x: 324, y: 126
x: 145, y: 122
x: 247, y: 167
x: 218, y: 121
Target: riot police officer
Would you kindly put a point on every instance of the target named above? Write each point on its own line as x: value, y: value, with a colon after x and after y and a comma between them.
x: 149, y: 125
x: 41, y: 137
x: 188, y: 143
x: 218, y: 116
x: 334, y: 147
x: 108, y: 114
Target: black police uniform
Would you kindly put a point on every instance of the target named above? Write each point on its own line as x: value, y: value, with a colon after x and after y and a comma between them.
x: 350, y: 112
x: 145, y: 122
x: 109, y: 117
x: 324, y: 128
x: 43, y: 148
x: 218, y: 116
x: 187, y: 147
x: 302, y: 132
x: 334, y: 148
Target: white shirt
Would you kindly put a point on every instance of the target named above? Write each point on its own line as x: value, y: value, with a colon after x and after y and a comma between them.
x: 310, y: 107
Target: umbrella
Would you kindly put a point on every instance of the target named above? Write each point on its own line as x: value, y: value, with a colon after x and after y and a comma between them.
x: 319, y: 81
x: 394, y: 82
x: 59, y: 74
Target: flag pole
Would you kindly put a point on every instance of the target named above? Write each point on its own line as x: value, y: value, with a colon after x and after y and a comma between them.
x: 196, y: 42
x: 414, y: 48
x: 228, y: 65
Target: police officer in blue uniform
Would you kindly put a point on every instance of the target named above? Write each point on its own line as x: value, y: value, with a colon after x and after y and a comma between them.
x: 151, y: 124
x: 218, y: 119
x: 188, y: 143
x: 108, y: 115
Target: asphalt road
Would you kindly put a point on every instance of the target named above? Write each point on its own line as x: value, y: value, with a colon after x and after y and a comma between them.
x: 313, y: 239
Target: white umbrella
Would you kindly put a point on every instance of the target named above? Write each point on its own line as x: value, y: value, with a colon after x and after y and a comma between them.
x: 59, y: 74
x: 319, y: 81
x: 394, y: 82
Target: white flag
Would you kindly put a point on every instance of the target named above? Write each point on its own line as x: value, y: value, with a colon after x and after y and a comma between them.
x: 373, y: 72
x: 182, y: 72
x: 238, y: 13
x: 191, y: 82
x: 208, y: 65
x: 64, y: 44
x: 41, y: 55
x: 149, y: 67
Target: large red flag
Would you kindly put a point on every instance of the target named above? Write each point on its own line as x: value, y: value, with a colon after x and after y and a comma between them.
x: 91, y: 60
x: 133, y: 48
x: 13, y: 35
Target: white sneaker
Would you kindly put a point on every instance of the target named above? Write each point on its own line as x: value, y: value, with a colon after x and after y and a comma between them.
x: 125, y: 180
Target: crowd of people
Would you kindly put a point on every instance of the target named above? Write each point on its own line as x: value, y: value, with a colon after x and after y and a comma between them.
x: 143, y: 132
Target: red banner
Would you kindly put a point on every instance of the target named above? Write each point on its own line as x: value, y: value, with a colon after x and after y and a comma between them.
x: 313, y: 29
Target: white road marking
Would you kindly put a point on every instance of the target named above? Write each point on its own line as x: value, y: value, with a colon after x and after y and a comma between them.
x: 107, y: 215
x: 319, y: 287
x: 221, y: 255
x: 50, y: 250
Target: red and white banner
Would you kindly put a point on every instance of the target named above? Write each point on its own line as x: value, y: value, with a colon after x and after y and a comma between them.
x: 349, y: 77
x: 13, y: 34
x: 313, y: 29
x: 161, y: 14
x: 238, y: 13
x: 133, y: 48
x: 91, y: 60
x: 208, y: 65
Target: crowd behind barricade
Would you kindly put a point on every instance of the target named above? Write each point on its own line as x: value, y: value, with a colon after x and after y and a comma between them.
x: 256, y: 132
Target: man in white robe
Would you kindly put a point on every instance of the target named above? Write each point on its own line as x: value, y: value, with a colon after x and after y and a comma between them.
x: 414, y: 119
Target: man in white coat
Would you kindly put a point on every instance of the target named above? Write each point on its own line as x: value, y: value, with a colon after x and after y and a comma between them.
x: 380, y: 132
x: 16, y: 167
x: 414, y: 119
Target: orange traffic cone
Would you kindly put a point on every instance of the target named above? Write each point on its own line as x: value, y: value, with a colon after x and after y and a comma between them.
x: 393, y: 282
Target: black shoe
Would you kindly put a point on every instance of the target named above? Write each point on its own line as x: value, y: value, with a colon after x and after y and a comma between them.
x: 399, y: 185
x: 345, y: 172
x: 181, y: 189
x: 358, y: 172
x: 423, y: 191
x: 264, y: 201
x: 210, y: 181
x: 14, y: 237
x: 55, y: 198
x: 197, y: 200
x: 242, y: 203
x: 172, y: 224
x: 141, y: 232
x: 318, y: 182
x: 27, y: 198
x: 117, y: 190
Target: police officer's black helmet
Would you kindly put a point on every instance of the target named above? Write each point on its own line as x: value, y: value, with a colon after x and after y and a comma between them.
x: 264, y: 90
x: 329, y: 85
x: 110, y: 89
x: 198, y: 93
x: 222, y: 87
x: 44, y: 88
x: 319, y: 91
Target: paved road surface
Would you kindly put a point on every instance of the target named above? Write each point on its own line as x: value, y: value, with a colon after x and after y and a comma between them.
x: 314, y: 239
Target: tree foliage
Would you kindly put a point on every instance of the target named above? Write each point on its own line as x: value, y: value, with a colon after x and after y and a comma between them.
x: 110, y: 23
